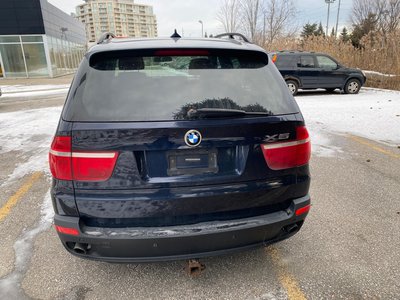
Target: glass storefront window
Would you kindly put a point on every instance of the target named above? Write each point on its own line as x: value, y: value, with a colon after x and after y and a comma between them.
x: 35, y: 57
x: 28, y: 58
x: 13, y: 61
x: 32, y: 39
x: 9, y: 39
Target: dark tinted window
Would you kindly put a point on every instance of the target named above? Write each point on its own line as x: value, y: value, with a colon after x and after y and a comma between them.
x: 165, y: 84
x: 307, y: 61
x: 284, y: 61
x: 326, y: 63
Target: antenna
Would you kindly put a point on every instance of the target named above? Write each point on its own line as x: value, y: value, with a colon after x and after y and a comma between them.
x: 175, y: 35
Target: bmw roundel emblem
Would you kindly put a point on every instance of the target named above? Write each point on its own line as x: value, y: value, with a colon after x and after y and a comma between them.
x: 192, y: 138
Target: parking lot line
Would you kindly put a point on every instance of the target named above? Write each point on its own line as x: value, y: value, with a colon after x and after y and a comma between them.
x: 372, y: 146
x: 287, y: 280
x: 13, y: 200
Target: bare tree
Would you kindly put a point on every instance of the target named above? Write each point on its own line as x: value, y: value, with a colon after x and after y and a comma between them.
x: 278, y: 15
x: 251, y: 10
x: 361, y: 10
x: 386, y: 13
x: 229, y: 16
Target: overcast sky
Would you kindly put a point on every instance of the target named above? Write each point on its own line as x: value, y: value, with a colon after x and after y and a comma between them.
x: 185, y: 14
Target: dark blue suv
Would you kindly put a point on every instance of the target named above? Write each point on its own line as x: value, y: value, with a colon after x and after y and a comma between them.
x: 311, y: 70
x: 204, y: 155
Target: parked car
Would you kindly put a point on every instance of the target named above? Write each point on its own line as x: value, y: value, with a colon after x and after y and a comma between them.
x: 309, y: 70
x: 155, y: 163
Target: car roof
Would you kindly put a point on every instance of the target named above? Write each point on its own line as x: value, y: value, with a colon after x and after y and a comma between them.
x: 295, y: 52
x: 160, y: 43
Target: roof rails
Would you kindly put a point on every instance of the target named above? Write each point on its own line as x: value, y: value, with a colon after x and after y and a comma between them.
x: 232, y: 35
x: 106, y: 36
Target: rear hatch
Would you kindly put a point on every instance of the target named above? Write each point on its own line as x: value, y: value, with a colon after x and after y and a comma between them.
x: 177, y: 136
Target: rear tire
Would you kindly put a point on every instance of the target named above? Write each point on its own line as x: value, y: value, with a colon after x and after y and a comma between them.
x: 293, y: 86
x: 352, y: 86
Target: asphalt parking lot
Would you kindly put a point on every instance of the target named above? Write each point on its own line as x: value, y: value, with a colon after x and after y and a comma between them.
x: 347, y: 249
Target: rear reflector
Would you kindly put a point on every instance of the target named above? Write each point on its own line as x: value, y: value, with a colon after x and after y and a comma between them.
x: 82, y: 166
x: 303, y: 210
x: 66, y: 230
x: 285, y: 155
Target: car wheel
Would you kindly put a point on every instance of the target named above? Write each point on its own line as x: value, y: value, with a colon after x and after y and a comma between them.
x: 352, y: 86
x: 292, y: 86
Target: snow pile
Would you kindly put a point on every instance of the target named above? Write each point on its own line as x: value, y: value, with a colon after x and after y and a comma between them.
x: 31, y: 88
x: 367, y: 72
x: 29, y: 132
x: 373, y: 114
x: 19, y: 91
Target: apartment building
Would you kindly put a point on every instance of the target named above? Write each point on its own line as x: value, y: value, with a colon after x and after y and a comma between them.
x: 122, y: 17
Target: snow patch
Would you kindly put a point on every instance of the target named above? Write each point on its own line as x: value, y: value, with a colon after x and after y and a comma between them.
x: 29, y: 88
x: 35, y: 93
x: 28, y: 132
x: 373, y: 114
x: 378, y: 73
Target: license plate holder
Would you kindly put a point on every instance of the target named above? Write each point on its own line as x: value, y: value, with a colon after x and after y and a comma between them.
x: 192, y: 162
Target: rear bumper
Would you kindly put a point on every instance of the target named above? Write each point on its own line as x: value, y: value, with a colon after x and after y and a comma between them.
x: 147, y: 244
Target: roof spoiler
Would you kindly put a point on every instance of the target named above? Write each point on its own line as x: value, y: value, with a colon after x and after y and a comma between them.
x: 106, y: 36
x: 232, y: 35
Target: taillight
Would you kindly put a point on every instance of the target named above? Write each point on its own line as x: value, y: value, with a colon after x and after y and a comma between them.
x: 67, y: 230
x: 274, y: 58
x: 302, y: 210
x: 66, y: 164
x: 290, y: 154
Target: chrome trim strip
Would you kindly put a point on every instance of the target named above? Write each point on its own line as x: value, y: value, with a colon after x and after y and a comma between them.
x: 59, y: 153
x: 93, y: 154
x: 83, y: 154
x: 286, y: 144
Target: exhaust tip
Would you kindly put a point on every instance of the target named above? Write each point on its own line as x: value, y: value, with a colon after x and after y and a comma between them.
x: 80, y: 248
x: 291, y: 228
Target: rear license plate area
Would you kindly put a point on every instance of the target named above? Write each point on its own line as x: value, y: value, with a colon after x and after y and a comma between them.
x: 192, y: 162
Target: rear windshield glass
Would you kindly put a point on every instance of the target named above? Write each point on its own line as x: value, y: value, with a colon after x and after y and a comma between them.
x: 163, y: 85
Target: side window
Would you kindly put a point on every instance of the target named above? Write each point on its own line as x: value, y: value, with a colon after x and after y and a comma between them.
x: 326, y: 62
x: 306, y: 61
x: 284, y: 60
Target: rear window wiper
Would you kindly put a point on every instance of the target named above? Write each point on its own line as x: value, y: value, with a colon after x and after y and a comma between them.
x: 222, y: 112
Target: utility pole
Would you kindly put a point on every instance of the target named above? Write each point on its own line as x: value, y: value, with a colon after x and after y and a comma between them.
x: 337, y: 18
x: 327, y: 19
x: 202, y: 28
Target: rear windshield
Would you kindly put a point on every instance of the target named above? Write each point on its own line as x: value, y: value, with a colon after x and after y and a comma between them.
x: 163, y: 85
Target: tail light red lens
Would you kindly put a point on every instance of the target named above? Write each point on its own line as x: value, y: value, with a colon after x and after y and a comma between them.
x: 303, y: 210
x: 66, y: 164
x: 66, y: 230
x: 290, y: 154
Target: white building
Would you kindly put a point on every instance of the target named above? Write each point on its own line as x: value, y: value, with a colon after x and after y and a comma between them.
x: 121, y: 17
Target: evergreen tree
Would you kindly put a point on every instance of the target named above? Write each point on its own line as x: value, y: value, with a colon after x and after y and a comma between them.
x: 333, y: 31
x: 320, y: 31
x: 309, y: 30
x: 344, y: 35
x: 365, y: 27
